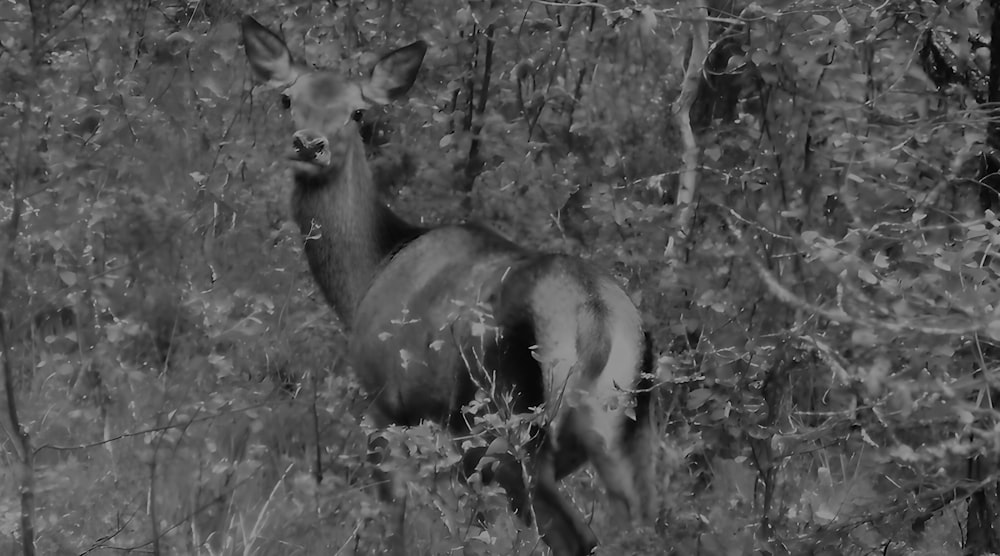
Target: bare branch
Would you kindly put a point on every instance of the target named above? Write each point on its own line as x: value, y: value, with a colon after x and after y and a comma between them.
x: 682, y: 114
x: 784, y: 295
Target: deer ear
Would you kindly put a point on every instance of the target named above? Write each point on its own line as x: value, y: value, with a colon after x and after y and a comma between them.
x: 395, y: 73
x: 269, y: 57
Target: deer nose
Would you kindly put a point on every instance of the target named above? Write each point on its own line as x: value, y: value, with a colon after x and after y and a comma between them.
x: 310, y: 146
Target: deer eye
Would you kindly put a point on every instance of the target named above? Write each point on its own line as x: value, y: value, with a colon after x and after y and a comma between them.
x: 357, y: 115
x: 286, y: 101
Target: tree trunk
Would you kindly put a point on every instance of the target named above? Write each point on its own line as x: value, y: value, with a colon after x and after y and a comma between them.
x: 983, y: 535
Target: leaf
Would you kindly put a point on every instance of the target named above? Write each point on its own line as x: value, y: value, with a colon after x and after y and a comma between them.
x: 498, y: 446
x: 697, y: 398
x: 68, y: 278
x: 993, y: 330
x: 484, y: 537
x: 183, y: 35
x: 822, y: 20
x: 250, y: 326
x: 211, y: 83
x: 114, y: 333
x: 221, y: 364
x: 405, y: 358
x: 904, y: 453
x: 865, y: 337
x: 965, y: 417
x: 825, y: 476
x: 825, y: 514
x: 867, y: 276
x: 647, y: 21
x: 868, y: 439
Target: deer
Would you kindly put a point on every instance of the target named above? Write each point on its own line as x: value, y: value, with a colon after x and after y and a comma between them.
x: 438, y: 314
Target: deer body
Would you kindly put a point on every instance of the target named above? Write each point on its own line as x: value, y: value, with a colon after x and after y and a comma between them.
x: 489, y: 302
x: 436, y: 315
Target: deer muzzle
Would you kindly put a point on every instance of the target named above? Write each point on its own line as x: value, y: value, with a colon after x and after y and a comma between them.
x: 310, y: 147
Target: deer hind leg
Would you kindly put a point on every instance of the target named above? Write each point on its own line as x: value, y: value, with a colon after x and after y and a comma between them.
x: 560, y: 524
x: 617, y: 473
x: 391, y: 492
x: 602, y: 436
x: 506, y: 471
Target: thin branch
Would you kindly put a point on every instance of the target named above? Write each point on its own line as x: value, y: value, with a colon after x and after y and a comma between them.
x: 473, y: 163
x: 161, y: 428
x: 839, y: 316
x: 20, y: 438
x: 682, y: 113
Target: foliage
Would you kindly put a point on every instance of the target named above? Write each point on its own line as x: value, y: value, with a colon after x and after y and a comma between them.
x: 826, y: 336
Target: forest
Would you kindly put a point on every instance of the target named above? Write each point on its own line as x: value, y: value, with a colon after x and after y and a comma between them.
x: 801, y: 199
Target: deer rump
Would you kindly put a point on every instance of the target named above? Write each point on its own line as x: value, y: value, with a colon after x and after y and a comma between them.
x: 461, y: 305
x: 461, y: 308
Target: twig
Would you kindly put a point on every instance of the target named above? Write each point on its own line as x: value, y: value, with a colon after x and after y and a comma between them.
x: 161, y: 428
x: 473, y: 163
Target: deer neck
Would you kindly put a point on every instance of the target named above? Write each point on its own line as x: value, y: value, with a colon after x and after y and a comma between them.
x: 338, y: 211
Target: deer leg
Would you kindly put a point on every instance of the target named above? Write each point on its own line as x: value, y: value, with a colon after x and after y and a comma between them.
x: 602, y: 439
x: 391, y: 493
x: 560, y: 524
x: 506, y: 471
x: 618, y: 474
